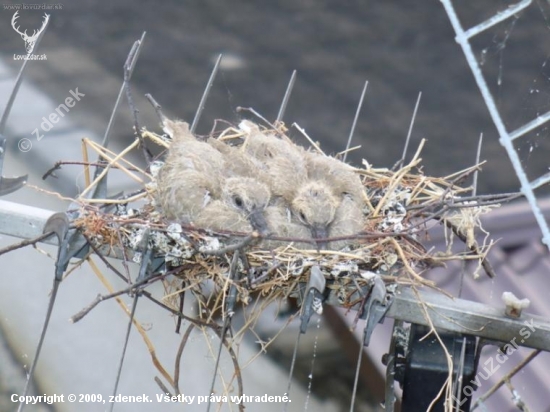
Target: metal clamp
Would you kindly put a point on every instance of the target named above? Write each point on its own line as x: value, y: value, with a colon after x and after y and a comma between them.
x: 313, y: 298
x: 375, y: 307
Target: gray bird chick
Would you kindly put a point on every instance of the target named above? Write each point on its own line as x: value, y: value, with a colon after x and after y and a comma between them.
x: 340, y: 177
x: 186, y: 152
x: 278, y: 157
x: 218, y: 215
x: 183, y: 193
x: 344, y: 184
x: 250, y: 198
x: 281, y: 222
x: 238, y: 162
x: 348, y: 220
x: 240, y: 209
x: 315, y: 206
x: 191, y: 176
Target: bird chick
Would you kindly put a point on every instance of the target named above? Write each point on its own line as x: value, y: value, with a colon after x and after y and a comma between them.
x: 218, y: 215
x: 183, y: 193
x: 238, y: 162
x: 348, y: 199
x: 192, y: 174
x: 339, y: 176
x: 250, y: 198
x: 199, y: 182
x: 281, y: 222
x: 279, y: 158
x: 348, y: 220
x: 186, y: 152
x: 315, y: 206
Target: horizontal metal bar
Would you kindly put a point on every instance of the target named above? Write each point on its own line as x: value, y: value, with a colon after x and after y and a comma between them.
x: 540, y: 181
x: 533, y: 124
x: 456, y: 315
x: 23, y: 221
x: 497, y: 18
x: 471, y: 318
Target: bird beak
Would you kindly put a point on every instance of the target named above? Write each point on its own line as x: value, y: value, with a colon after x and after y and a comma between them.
x: 258, y: 222
x: 320, y: 232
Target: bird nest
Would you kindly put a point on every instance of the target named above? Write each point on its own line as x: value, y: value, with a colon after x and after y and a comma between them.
x: 401, y: 204
x: 226, y: 270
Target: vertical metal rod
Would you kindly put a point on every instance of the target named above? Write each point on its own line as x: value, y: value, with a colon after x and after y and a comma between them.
x: 357, y: 369
x: 205, y: 95
x: 409, y: 133
x: 352, y: 131
x: 130, y: 63
x: 460, y: 372
x: 30, y: 375
x: 478, y: 156
x: 227, y: 321
x: 389, y: 401
x: 292, y: 364
x: 289, y: 88
x: 123, y: 355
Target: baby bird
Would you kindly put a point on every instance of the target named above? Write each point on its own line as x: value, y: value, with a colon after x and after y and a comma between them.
x: 218, y: 215
x: 238, y: 162
x: 340, y: 176
x: 192, y: 186
x: 186, y: 152
x: 313, y: 185
x: 250, y: 198
x: 241, y: 207
x: 348, y: 220
x: 183, y: 193
x: 281, y: 222
x: 191, y: 175
x: 283, y: 161
x: 315, y: 206
x: 335, y: 206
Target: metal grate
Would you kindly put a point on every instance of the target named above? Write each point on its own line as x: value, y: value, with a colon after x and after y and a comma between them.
x: 506, y: 138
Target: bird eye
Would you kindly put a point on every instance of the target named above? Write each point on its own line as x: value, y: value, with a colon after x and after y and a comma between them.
x: 302, y: 216
x: 238, y: 201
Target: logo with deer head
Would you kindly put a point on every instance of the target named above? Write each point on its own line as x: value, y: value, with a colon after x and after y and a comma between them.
x: 29, y: 40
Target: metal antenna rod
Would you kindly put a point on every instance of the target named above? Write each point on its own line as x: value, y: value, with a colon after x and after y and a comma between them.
x: 128, y: 330
x: 30, y: 375
x: 409, y: 133
x: 289, y: 88
x: 478, y: 156
x: 144, y: 273
x: 357, y: 369
x: 292, y: 364
x: 205, y: 95
x: 58, y: 224
x: 352, y: 131
x: 389, y: 398
x: 458, y: 383
x: 231, y: 299
x: 130, y: 64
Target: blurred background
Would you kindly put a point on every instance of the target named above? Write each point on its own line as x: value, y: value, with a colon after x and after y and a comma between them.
x: 400, y: 48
